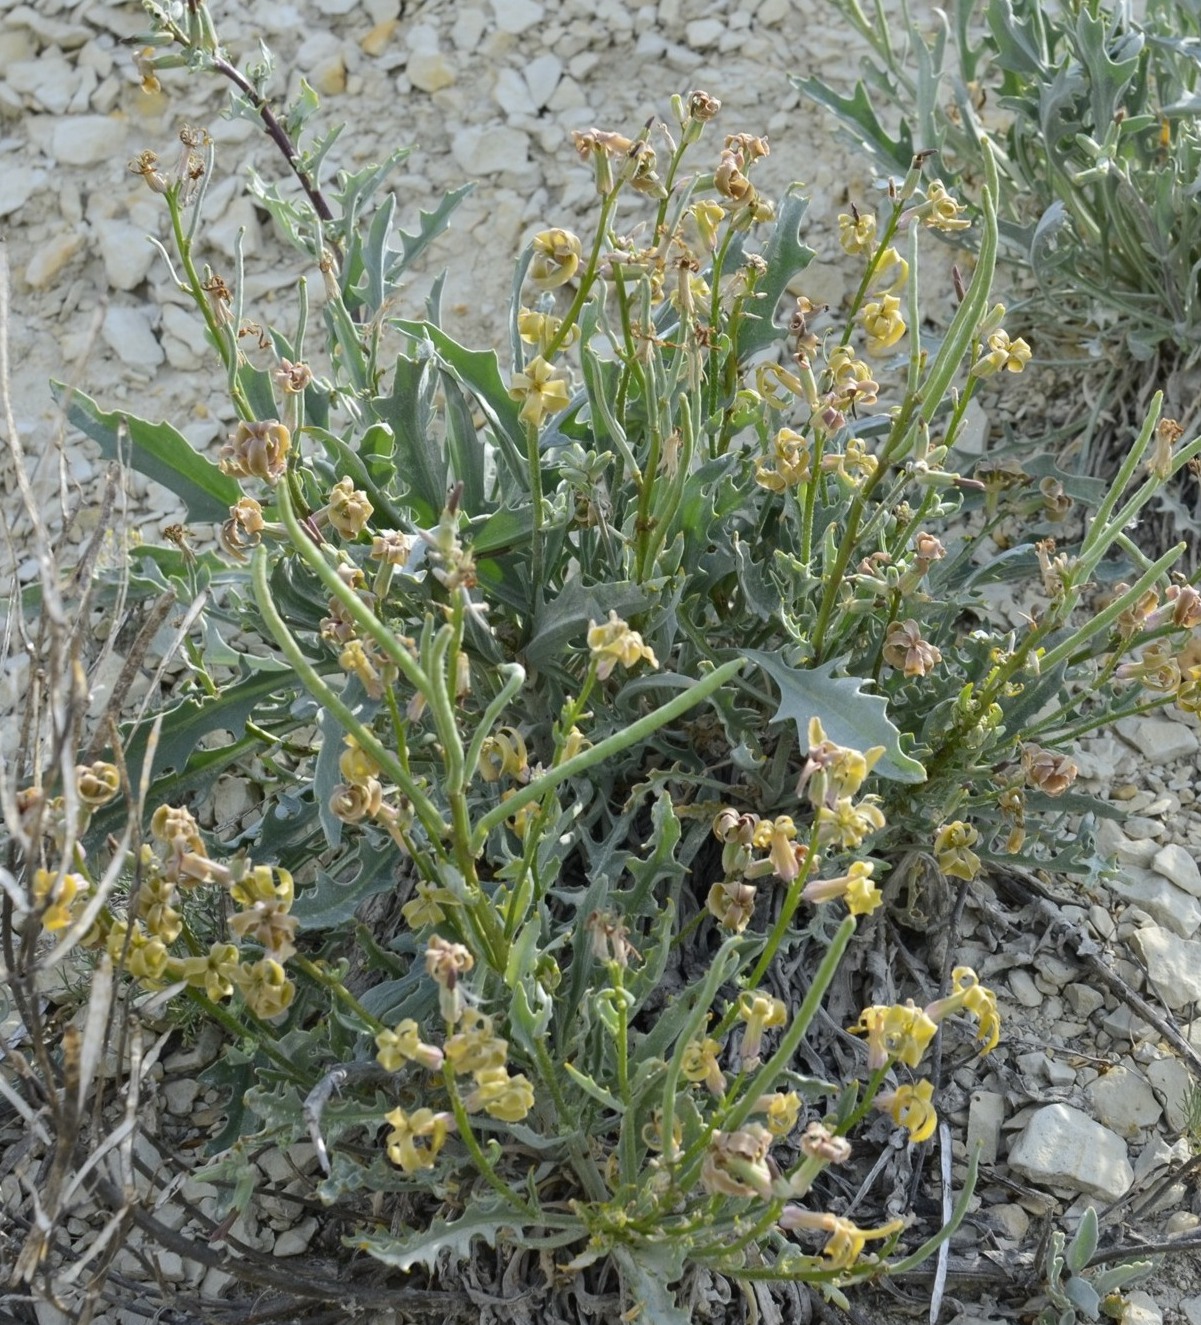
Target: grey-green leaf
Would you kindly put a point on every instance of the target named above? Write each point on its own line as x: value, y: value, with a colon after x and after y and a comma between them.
x: 156, y: 450
x: 849, y: 717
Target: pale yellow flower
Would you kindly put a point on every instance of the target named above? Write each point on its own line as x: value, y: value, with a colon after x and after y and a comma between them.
x: 737, y: 1164
x: 940, y: 211
x: 265, y: 987
x: 501, y: 1096
x: 403, y: 1044
x: 214, y: 973
x: 883, y: 323
x: 556, y: 258
x: 257, y: 450
x: 907, y: 651
x: 415, y: 1139
x: 910, y: 1107
x: 901, y: 1031
x: 952, y: 850
x: 857, y: 232
x: 761, y: 1012
x: 1002, y: 353
x: 349, y: 509
x: 699, y: 1063
x: 846, y: 1240
x: 540, y: 389
x: 614, y: 642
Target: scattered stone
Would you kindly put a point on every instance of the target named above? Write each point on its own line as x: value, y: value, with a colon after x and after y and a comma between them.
x: 1058, y: 1072
x: 128, y: 254
x: 514, y: 16
x: 1140, y: 828
x: 238, y: 216
x: 1171, y: 1080
x: 180, y: 1095
x: 295, y: 1241
x: 468, y: 28
x: 491, y: 150
x: 1159, y: 740
x: 1101, y: 921
x: 1111, y: 841
x: 1100, y: 759
x: 1084, y: 1000
x: 377, y: 41
x: 82, y: 140
x: 1124, y: 1102
x: 542, y: 76
x: 128, y: 333
x: 170, y: 1265
x: 1023, y: 988
x: 1159, y: 898
x: 703, y: 33
x: 1173, y: 964
x: 1011, y: 1220
x: 48, y: 81
x: 430, y: 71
x: 184, y: 339
x: 1062, y: 1147
x: 51, y: 256
x: 1140, y: 1309
x: 986, y: 1113
x: 20, y: 183
x: 1179, y: 866
x: 1123, y: 1024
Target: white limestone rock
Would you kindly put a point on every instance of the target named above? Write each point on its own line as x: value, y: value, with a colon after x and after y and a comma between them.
x: 1161, y: 899
x: 1159, y: 740
x: 1179, y: 865
x: 128, y: 255
x: 515, y: 16
x: 493, y: 149
x: 50, y: 257
x: 49, y: 81
x: 21, y: 182
x: 542, y: 75
x: 1124, y: 1101
x: 1062, y: 1147
x: 1171, y: 1080
x: 128, y: 332
x: 1173, y: 964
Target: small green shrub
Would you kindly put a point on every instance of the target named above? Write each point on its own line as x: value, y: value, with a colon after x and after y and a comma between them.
x: 1094, y: 115
x: 629, y: 666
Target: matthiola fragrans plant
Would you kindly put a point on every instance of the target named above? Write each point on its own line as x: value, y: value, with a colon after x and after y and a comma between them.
x: 634, y: 660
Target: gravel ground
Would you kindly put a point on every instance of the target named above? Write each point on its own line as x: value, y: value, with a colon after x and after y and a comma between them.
x: 488, y: 92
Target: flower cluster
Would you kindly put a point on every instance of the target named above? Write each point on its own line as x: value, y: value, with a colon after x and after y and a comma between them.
x: 175, y: 862
x: 471, y: 1048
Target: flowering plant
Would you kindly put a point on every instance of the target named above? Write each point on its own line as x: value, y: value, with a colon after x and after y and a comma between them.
x: 636, y: 664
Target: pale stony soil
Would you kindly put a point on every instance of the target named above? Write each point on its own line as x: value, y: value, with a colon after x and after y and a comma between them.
x: 488, y: 92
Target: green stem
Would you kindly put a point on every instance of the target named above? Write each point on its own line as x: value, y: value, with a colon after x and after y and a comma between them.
x: 356, y: 609
x: 338, y: 990
x: 240, y: 1031
x: 577, y: 1145
x: 588, y: 279
x: 196, y: 290
x: 622, y: 740
x: 534, y: 463
x: 423, y: 807
x: 792, y: 900
x: 763, y: 1080
x: 1103, y: 620
x: 471, y: 1141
